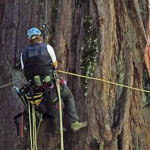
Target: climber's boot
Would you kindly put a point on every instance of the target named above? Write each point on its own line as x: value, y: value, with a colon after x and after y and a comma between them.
x: 78, y: 125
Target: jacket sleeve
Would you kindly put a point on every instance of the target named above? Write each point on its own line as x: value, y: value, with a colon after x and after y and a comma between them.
x: 52, y: 55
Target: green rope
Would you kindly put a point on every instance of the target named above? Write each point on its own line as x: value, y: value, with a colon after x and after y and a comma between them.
x: 40, y: 120
x: 33, y: 127
x: 33, y: 130
x: 29, y: 110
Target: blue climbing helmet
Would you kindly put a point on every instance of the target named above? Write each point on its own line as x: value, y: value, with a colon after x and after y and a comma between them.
x: 33, y: 31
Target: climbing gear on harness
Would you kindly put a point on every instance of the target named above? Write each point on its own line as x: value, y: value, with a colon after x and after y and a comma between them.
x: 78, y: 125
x: 47, y: 79
x: 37, y: 80
x: 21, y: 94
x: 35, y: 98
x: 33, y: 31
x: 17, y: 122
x: 26, y: 93
x: 32, y: 122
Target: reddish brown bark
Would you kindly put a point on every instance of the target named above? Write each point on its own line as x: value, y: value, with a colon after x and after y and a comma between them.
x: 107, y: 35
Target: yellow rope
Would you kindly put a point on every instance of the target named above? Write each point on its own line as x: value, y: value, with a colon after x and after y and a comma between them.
x: 5, y: 85
x: 60, y: 113
x: 32, y: 123
x: 103, y: 80
x: 40, y: 120
x: 34, y: 129
x: 29, y: 111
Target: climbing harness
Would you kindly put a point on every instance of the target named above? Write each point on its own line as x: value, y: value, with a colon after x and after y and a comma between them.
x: 32, y: 96
x: 29, y: 104
x: 35, y: 99
x: 32, y: 99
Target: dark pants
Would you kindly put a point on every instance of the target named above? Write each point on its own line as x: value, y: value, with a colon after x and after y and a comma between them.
x: 68, y: 99
x: 69, y: 105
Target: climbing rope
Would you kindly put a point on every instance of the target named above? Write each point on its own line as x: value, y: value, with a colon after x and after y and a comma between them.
x: 33, y: 128
x: 30, y: 124
x: 103, y: 80
x: 40, y: 120
x: 60, y: 111
x: 8, y: 84
x: 91, y: 78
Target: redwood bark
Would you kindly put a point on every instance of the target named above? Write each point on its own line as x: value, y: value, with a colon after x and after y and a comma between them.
x: 104, y: 39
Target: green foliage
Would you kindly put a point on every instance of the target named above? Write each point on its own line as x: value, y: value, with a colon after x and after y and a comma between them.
x: 89, y: 50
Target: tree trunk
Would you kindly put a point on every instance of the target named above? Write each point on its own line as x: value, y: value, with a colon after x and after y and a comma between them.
x: 104, y: 39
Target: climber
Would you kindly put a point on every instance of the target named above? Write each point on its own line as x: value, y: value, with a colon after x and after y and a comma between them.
x: 39, y: 62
